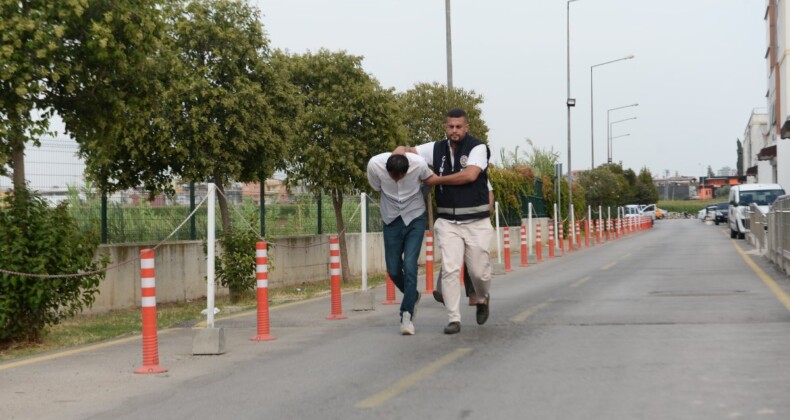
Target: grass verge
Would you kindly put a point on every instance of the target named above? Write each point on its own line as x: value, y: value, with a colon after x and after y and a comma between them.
x: 86, y: 329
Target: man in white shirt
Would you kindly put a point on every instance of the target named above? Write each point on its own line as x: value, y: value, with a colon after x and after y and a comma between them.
x: 397, y: 179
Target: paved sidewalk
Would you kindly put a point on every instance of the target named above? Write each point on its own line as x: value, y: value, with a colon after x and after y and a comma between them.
x: 80, y: 382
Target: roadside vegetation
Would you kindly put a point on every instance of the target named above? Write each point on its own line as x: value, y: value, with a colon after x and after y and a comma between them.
x: 689, y: 206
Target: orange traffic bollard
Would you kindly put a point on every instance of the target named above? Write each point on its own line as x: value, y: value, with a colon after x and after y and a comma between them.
x: 551, y: 239
x: 429, y: 263
x: 148, y: 303
x: 390, y: 292
x: 507, y: 250
x: 262, y: 291
x: 334, y: 277
x: 524, y: 262
x: 578, y: 236
x: 538, y: 244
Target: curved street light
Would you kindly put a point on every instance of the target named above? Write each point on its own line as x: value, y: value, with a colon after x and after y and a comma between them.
x: 592, y: 131
x: 609, y: 128
x: 612, y: 138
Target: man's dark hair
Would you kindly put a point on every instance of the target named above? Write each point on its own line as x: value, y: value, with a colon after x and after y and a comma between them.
x: 398, y: 164
x: 456, y: 113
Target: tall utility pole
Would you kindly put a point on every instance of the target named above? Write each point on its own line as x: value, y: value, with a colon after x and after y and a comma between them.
x: 449, y: 46
x: 570, y: 103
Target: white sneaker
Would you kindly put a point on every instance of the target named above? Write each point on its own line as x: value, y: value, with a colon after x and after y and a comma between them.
x: 406, y: 326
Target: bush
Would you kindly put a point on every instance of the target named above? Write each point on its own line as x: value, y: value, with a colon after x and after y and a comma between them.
x: 235, y: 267
x: 38, y: 239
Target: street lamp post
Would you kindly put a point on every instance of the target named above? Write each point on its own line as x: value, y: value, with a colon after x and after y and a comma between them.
x: 592, y: 131
x: 449, y: 46
x: 608, y: 130
x: 570, y: 102
x: 611, y: 149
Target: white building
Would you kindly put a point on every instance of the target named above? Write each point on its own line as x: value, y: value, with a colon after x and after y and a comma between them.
x: 777, y: 150
x: 756, y: 138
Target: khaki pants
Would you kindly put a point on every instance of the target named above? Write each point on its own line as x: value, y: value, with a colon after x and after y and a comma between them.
x: 459, y: 243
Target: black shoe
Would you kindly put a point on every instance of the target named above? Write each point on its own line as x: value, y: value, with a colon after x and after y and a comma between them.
x: 482, y: 311
x: 452, y: 328
x: 438, y: 296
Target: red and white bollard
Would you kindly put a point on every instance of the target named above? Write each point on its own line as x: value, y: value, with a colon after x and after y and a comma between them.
x: 429, y: 263
x: 538, y: 244
x: 262, y: 291
x: 334, y: 278
x: 389, y: 299
x: 561, y: 239
x: 524, y: 262
x: 578, y: 236
x: 507, y: 250
x: 570, y: 237
x: 551, y: 239
x: 598, y: 230
x: 148, y: 303
x: 586, y: 233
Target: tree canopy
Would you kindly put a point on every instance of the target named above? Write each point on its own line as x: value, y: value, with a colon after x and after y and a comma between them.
x: 425, y: 107
x: 347, y: 117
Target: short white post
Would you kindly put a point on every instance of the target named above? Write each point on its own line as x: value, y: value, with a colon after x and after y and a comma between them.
x: 363, y: 243
x: 498, y: 241
x: 529, y: 231
x: 210, y: 263
x: 556, y: 227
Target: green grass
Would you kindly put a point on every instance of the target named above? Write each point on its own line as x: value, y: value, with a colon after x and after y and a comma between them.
x: 86, y: 329
x: 689, y: 206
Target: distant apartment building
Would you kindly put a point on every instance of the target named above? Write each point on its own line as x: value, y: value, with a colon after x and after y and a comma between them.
x: 774, y: 150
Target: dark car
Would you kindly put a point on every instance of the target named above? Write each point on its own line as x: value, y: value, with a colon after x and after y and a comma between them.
x: 720, y: 215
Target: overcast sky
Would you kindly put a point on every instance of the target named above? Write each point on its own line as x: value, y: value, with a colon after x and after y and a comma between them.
x: 697, y: 74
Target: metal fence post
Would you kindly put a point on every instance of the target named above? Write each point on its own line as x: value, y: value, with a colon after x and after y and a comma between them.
x: 320, y: 212
x: 192, y: 227
x: 104, y: 218
x: 262, y: 199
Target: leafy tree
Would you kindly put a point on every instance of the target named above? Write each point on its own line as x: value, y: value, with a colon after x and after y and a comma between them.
x: 710, y: 172
x: 739, y: 161
x: 347, y: 118
x: 112, y: 71
x: 602, y: 186
x: 234, y: 109
x: 32, y: 38
x: 426, y: 104
x: 645, y: 190
x: 38, y: 239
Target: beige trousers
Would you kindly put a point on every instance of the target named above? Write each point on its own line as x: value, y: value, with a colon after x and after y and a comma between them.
x: 459, y: 243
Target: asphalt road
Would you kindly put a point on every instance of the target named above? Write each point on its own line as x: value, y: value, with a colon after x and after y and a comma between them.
x: 672, y: 323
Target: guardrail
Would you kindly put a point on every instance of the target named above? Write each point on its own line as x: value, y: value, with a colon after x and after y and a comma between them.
x: 777, y: 235
x: 758, y: 227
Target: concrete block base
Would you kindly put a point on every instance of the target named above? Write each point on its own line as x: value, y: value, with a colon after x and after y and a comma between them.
x: 208, y: 341
x: 499, y: 268
x: 363, y: 300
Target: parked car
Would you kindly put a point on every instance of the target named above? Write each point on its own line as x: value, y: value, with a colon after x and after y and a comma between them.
x: 741, y: 197
x: 720, y: 216
x: 710, y: 212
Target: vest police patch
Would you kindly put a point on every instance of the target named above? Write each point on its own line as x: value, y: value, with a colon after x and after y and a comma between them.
x: 463, y: 161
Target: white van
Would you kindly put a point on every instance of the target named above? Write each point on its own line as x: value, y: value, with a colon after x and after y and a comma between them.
x: 741, y: 196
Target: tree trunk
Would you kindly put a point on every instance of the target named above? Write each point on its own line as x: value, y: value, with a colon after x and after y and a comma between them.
x: 18, y: 158
x: 337, y: 203
x: 223, y: 203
